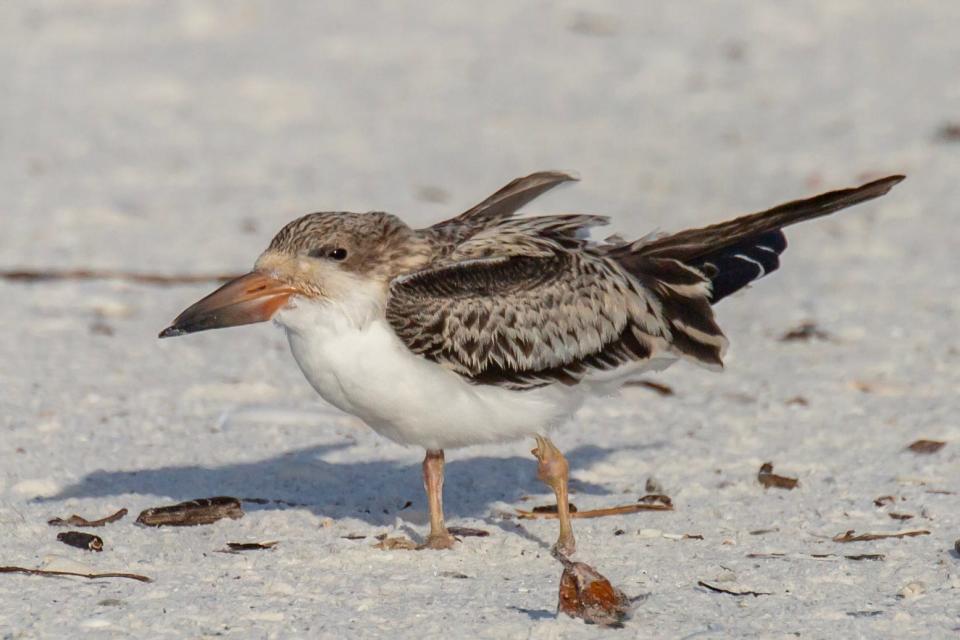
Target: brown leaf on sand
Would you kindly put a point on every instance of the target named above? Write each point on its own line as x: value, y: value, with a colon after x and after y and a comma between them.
x: 467, y: 532
x: 900, y: 516
x: 884, y: 500
x: 808, y: 330
x: 395, y: 543
x: 587, y: 595
x: 849, y: 536
x: 926, y: 446
x: 656, y: 387
x: 251, y: 546
x: 768, y: 478
x: 79, y: 521
x: 192, y: 512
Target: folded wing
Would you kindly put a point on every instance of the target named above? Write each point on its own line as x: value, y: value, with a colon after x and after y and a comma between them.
x: 529, y: 303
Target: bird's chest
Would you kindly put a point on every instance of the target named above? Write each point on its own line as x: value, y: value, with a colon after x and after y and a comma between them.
x: 362, y: 367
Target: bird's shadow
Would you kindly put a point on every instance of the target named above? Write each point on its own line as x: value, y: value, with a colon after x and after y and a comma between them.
x: 373, y: 491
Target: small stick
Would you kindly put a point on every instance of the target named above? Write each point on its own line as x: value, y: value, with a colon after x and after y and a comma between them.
x: 866, y: 537
x: 597, y: 513
x: 731, y: 593
x: 46, y: 275
x: 91, y: 576
x: 80, y: 521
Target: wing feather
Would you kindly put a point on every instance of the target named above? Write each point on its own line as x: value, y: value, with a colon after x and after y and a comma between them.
x: 530, y: 302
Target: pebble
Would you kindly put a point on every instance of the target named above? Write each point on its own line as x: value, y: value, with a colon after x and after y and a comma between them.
x: 912, y: 590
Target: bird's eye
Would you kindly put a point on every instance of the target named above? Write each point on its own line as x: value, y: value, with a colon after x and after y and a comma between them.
x: 334, y: 254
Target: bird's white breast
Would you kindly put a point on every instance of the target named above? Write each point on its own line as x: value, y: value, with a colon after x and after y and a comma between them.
x: 355, y: 361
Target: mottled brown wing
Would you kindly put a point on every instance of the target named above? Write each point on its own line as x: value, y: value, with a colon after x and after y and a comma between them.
x: 546, y: 308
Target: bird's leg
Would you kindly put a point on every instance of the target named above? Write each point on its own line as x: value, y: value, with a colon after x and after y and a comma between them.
x: 439, y: 537
x: 554, y: 471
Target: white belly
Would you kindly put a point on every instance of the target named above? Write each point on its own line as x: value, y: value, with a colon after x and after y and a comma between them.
x: 362, y: 368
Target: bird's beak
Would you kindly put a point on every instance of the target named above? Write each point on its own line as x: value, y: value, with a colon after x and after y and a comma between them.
x: 254, y: 297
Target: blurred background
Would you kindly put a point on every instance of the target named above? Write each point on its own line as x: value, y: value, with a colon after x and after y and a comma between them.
x: 176, y: 137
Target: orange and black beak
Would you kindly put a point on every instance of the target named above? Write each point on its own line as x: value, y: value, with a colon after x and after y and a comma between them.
x: 252, y: 298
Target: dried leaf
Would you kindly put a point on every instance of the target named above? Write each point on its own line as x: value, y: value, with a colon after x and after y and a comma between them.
x: 91, y: 576
x: 866, y: 556
x: 354, y: 536
x: 949, y: 132
x: 884, y: 500
x: 586, y: 594
x: 808, y: 330
x: 192, y: 512
x: 79, y: 521
x: 398, y: 542
x: 866, y: 537
x: 729, y: 592
x: 252, y: 546
x: 900, y: 516
x: 659, y: 389
x: 926, y: 446
x: 467, y: 532
x: 768, y: 478
x: 799, y: 401
x: 657, y: 500
x: 81, y: 540
x: 453, y: 574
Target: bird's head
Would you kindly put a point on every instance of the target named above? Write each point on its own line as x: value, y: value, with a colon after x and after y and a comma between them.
x: 320, y: 256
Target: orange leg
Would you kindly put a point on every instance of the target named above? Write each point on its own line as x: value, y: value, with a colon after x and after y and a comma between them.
x: 554, y: 471
x: 439, y: 537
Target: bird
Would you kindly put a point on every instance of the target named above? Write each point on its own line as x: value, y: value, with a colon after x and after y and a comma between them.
x: 488, y: 327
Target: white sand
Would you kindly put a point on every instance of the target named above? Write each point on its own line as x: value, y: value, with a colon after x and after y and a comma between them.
x: 177, y: 137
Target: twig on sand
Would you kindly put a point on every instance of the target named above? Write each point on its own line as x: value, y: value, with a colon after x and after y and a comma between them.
x: 91, y: 576
x: 47, y: 275
x: 80, y: 521
x: 731, y: 593
x: 866, y: 537
x: 653, y: 502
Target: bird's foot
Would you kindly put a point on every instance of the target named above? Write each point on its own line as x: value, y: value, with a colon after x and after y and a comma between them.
x: 438, y: 541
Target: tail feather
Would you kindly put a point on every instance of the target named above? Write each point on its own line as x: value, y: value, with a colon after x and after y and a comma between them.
x: 735, y: 266
x: 733, y: 254
x: 688, y: 246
